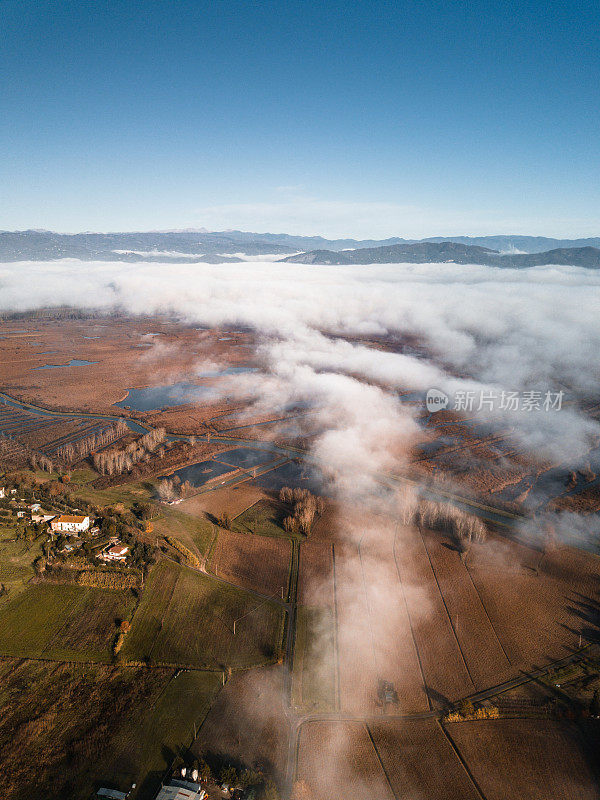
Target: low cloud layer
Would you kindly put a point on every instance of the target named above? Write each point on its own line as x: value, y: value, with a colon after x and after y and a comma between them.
x: 460, y: 327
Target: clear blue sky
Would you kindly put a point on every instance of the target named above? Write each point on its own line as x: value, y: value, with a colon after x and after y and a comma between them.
x: 342, y: 118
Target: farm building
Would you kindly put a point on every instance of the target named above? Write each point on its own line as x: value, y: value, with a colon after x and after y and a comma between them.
x: 117, y: 552
x: 181, y: 789
x: 112, y: 794
x: 42, y: 517
x: 70, y: 523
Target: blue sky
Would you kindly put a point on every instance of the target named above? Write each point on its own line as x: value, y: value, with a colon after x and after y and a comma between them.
x: 365, y: 118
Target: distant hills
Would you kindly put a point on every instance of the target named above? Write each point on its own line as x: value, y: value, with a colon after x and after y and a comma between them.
x: 190, y: 246
x: 452, y: 252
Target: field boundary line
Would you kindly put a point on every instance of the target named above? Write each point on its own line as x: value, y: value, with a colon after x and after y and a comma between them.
x: 461, y: 760
x: 485, y: 611
x: 378, y: 757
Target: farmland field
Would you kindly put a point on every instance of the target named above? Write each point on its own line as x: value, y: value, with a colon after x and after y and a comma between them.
x: 253, y: 562
x: 314, y: 685
x: 186, y: 618
x: 263, y: 518
x: 247, y: 724
x: 61, y: 621
x: 420, y: 762
x: 538, y: 759
x: 89, y: 725
x: 337, y: 759
x: 16, y: 558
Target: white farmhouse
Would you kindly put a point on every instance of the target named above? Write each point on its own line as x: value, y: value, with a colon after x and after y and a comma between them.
x: 70, y: 523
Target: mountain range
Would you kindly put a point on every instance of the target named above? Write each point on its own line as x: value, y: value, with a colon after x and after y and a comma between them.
x: 453, y: 252
x: 189, y: 246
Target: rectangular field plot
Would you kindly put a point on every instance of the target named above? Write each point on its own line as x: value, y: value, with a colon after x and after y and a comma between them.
x: 537, y: 759
x: 186, y: 619
x: 253, y: 562
x: 61, y: 621
x: 264, y: 518
x: 314, y: 682
x: 479, y: 643
x: 420, y: 762
x: 338, y: 760
x: 141, y: 749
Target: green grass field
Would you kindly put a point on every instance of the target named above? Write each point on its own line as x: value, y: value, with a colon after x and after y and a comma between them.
x: 62, y: 621
x: 127, y: 494
x: 194, y: 531
x: 264, y: 518
x: 186, y: 618
x: 313, y: 684
x: 16, y: 560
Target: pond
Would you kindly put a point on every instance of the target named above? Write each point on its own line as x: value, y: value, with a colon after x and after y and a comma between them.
x: 74, y: 362
x: 155, y: 397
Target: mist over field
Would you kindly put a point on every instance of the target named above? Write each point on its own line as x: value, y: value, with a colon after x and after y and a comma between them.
x: 476, y: 328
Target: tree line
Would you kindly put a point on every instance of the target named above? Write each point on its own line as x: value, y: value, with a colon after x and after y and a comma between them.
x: 115, y: 461
x: 75, y: 451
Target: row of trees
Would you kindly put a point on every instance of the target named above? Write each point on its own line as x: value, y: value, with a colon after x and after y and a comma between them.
x: 116, y: 461
x: 465, y: 528
x: 75, y: 451
x: 41, y: 461
x: 305, y: 507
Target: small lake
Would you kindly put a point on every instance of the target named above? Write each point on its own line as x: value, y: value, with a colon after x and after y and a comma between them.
x: 74, y: 362
x: 153, y: 398
x: 199, y: 474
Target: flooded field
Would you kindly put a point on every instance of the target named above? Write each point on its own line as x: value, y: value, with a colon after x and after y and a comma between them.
x: 246, y: 457
x: 201, y: 473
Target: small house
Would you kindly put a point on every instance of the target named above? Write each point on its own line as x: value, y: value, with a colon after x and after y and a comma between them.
x: 116, y: 552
